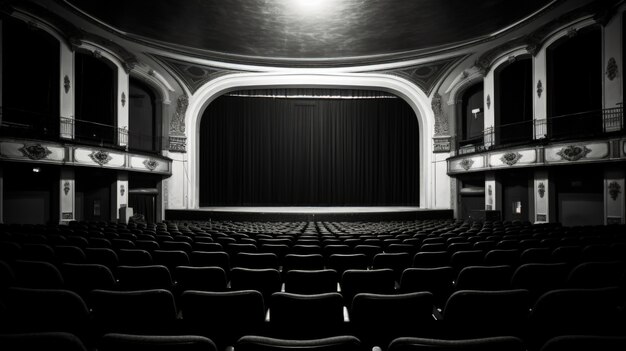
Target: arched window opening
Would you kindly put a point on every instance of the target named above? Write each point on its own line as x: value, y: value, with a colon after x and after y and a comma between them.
x: 30, y: 73
x: 514, y: 102
x: 95, y: 102
x: 470, y: 119
x: 144, y: 127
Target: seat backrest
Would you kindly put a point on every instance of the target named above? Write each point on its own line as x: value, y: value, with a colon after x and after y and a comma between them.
x: 41, y: 341
x: 103, y: 256
x: 224, y: 316
x: 596, y: 274
x: 214, y: 258
x: 343, y: 262
x: 144, y: 277
x: 311, y: 282
x: 128, y: 342
x: 71, y: 254
x: 256, y: 260
x: 46, y: 310
x: 303, y: 262
x: 538, y: 278
x: 267, y: 281
x: 200, y: 278
x: 501, y: 343
x: 484, y: 278
x: 140, y: 311
x: 378, y: 319
x: 376, y: 281
x: 476, y: 313
x: 134, y: 257
x: 170, y: 258
x: 536, y: 255
x: 585, y: 342
x: 263, y: 343
x: 298, y: 316
x: 84, y: 277
x: 431, y: 259
x: 397, y: 261
x: 502, y: 257
x: 37, y: 274
x: 437, y: 281
x: 577, y: 312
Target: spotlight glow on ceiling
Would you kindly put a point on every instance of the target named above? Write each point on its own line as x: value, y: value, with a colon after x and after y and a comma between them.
x: 309, y: 6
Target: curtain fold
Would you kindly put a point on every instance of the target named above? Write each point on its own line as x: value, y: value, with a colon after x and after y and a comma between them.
x: 261, y: 151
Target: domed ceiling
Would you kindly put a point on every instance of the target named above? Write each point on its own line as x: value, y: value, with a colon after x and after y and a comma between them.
x: 310, y: 31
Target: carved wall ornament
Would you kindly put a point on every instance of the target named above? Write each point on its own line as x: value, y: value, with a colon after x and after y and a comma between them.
x: 123, y: 99
x: 177, y: 124
x: 151, y: 164
x: 151, y: 72
x: 511, y: 158
x: 122, y: 189
x: 611, y: 69
x: 466, y: 163
x: 178, y: 144
x: 614, y: 190
x: 573, y: 152
x: 97, y: 54
x: 35, y: 151
x: 542, y: 218
x: 539, y: 88
x: 441, y: 120
x: 66, y: 84
x: 488, y: 101
x: 541, y: 189
x: 66, y: 187
x: 100, y: 157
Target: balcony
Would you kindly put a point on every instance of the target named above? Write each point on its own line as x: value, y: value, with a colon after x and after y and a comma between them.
x: 588, y: 124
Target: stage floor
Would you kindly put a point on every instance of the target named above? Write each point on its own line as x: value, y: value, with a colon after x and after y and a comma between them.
x: 313, y: 213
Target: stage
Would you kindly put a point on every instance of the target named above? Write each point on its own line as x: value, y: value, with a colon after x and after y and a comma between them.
x: 288, y: 214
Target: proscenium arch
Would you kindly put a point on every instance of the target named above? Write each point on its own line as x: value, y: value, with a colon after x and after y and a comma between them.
x: 419, y: 102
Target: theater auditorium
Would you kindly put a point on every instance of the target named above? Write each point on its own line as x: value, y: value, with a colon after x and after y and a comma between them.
x: 312, y: 175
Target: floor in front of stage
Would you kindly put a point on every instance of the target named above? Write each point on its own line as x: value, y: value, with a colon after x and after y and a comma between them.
x: 312, y: 210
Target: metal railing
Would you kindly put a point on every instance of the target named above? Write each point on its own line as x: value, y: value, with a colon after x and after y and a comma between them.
x: 571, y: 126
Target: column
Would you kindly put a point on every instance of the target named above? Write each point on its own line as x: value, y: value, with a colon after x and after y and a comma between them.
x: 613, y: 69
x: 493, y: 193
x: 541, y: 197
x: 67, y: 92
x: 67, y: 198
x: 122, y: 107
x: 489, y: 108
x: 540, y: 105
x: 1, y: 79
x: 614, y: 196
x: 119, y: 196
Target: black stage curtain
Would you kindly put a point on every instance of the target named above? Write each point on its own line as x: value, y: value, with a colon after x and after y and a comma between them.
x: 262, y: 151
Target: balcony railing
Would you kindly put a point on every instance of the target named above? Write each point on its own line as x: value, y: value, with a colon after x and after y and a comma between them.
x: 45, y: 127
x: 572, y: 126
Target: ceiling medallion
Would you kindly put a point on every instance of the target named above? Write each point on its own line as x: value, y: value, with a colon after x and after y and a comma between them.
x: 100, y: 157
x: 151, y: 164
x: 574, y: 152
x: 466, y: 163
x: 35, y: 151
x: 614, y: 190
x: 511, y: 158
x: 539, y: 88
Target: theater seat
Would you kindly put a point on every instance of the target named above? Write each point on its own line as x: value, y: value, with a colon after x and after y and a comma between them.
x: 502, y: 343
x: 585, y: 342
x: 41, y: 342
x: 262, y: 343
x: 127, y: 342
x: 298, y: 316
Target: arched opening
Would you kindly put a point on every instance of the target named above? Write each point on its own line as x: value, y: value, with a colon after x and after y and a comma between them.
x: 419, y: 102
x: 95, y: 99
x: 470, y: 118
x: 30, y: 73
x: 575, y: 84
x: 514, y: 102
x: 309, y: 147
x: 144, y: 125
